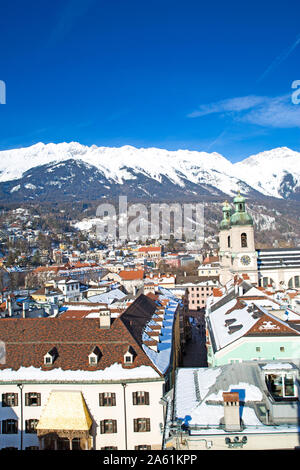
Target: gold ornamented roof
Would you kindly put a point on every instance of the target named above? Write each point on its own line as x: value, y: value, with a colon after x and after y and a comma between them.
x: 65, y: 410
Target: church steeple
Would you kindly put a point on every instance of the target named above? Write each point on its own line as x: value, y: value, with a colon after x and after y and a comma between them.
x: 240, y: 216
x: 225, y: 223
x: 237, y: 252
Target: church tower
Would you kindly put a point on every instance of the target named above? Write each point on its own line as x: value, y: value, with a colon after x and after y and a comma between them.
x: 237, y: 248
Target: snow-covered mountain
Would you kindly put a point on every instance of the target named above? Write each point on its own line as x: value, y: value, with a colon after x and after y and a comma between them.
x: 72, y: 170
x: 274, y: 173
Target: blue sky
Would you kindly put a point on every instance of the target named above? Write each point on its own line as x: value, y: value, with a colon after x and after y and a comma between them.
x: 214, y: 76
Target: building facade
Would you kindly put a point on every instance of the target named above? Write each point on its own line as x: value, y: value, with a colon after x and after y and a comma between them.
x: 278, y: 267
x: 250, y: 406
x: 89, y: 383
x: 237, y: 252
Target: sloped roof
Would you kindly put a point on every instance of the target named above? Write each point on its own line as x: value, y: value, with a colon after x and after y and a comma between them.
x: 271, y: 325
x: 128, y: 275
x: 146, y: 249
x: 65, y: 410
x: 27, y: 340
x: 138, y: 314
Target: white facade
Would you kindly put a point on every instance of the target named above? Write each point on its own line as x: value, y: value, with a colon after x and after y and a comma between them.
x: 70, y: 289
x: 123, y: 412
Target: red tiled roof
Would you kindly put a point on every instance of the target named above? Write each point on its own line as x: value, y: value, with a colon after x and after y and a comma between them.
x: 76, y: 313
x: 268, y: 325
x: 132, y: 275
x: 46, y: 268
x: 238, y: 306
x: 152, y: 296
x: 211, y: 259
x: 28, y: 340
x: 146, y: 249
x: 217, y: 292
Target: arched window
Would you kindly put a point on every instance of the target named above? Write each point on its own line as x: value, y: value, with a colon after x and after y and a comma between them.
x: 294, y: 282
x: 266, y: 281
x: 244, y: 240
x: 228, y: 241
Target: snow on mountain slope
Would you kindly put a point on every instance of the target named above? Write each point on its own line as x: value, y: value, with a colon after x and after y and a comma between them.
x: 274, y: 173
x: 124, y: 163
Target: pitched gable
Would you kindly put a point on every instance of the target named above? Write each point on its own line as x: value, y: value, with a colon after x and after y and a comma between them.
x: 268, y: 325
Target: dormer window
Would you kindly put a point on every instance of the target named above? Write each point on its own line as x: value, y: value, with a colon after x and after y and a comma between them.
x: 129, y: 356
x: 50, y: 357
x: 94, y: 356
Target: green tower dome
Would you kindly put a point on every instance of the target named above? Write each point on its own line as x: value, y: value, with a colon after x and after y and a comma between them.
x: 225, y: 223
x: 240, y: 216
x: 239, y: 199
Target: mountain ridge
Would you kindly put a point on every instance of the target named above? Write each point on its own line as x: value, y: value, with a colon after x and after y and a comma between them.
x: 64, y: 167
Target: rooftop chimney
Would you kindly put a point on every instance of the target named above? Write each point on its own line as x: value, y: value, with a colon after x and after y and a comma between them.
x: 231, y: 411
x: 104, y: 319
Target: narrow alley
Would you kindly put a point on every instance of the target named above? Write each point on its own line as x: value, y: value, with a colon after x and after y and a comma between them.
x: 195, y: 351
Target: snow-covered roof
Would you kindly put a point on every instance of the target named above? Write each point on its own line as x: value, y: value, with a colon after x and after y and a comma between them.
x: 113, y: 372
x: 107, y: 297
x: 162, y: 357
x: 198, y: 396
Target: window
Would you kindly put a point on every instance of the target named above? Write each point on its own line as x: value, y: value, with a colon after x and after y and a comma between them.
x: 107, y: 399
x: 294, y: 282
x: 228, y: 241
x: 258, y: 349
x: 282, y: 386
x: 48, y: 360
x: 9, y: 399
x: 108, y: 426
x: 50, y: 356
x: 92, y: 359
x: 32, y: 399
x: 94, y: 356
x: 282, y: 349
x: 10, y: 426
x: 141, y: 425
x: 142, y: 447
x: 244, y: 240
x: 129, y: 356
x: 140, y: 398
x: 30, y: 426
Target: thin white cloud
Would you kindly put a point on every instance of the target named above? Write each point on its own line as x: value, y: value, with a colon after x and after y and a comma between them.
x: 230, y: 105
x: 277, y: 112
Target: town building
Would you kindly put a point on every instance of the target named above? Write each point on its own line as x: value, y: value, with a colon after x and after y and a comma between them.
x: 249, y: 406
x: 89, y: 382
x: 237, y: 249
x: 238, y: 255
x: 244, y: 323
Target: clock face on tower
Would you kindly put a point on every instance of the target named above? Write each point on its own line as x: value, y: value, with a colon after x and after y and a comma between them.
x: 245, y: 260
